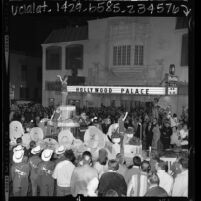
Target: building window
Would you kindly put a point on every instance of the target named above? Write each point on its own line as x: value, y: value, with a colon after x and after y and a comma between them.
x: 181, y: 23
x: 39, y: 74
x: 24, y: 73
x: 139, y: 55
x: 53, y: 58
x: 24, y: 93
x: 121, y: 55
x: 184, y: 50
x: 74, y: 57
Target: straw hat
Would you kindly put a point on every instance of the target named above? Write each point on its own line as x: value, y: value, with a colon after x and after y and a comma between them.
x: 60, y: 150
x: 46, y: 154
x: 65, y: 137
x: 15, y: 130
x: 18, y: 156
x: 36, y: 150
x: 36, y: 134
x: 18, y: 148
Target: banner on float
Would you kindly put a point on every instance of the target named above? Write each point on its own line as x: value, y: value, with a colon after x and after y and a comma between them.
x: 118, y: 90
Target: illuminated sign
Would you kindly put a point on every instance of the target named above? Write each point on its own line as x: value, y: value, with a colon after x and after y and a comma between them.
x: 172, y: 91
x: 172, y: 78
x: 118, y: 90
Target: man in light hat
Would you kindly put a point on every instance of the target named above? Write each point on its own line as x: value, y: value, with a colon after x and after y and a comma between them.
x: 63, y: 172
x: 34, y: 162
x: 19, y: 173
x: 45, y: 170
x: 60, y: 154
x: 83, y: 175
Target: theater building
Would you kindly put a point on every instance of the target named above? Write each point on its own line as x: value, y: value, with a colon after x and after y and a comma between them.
x: 118, y: 61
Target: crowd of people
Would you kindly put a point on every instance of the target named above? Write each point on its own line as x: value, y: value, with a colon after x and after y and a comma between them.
x: 39, y: 172
x: 160, y: 128
x: 44, y: 172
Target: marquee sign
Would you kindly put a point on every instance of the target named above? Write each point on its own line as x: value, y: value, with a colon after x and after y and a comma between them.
x: 118, y: 90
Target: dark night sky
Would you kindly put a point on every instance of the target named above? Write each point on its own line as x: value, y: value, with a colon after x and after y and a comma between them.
x: 27, y: 33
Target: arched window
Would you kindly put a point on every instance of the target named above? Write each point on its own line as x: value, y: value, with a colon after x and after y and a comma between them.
x: 53, y: 58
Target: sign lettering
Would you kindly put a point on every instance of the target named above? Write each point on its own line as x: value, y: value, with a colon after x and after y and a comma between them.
x: 118, y: 90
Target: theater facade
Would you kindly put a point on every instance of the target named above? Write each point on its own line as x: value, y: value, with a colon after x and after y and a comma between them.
x: 119, y: 61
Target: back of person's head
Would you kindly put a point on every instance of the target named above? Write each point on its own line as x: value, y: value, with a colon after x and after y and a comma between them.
x: 19, y: 140
x: 153, y: 178
x: 183, y: 161
x: 103, y: 156
x: 137, y: 161
x: 69, y: 155
x: 32, y: 144
x: 145, y: 166
x: 87, y: 158
x: 120, y: 158
x: 162, y: 165
x: 111, y: 193
x: 113, y: 165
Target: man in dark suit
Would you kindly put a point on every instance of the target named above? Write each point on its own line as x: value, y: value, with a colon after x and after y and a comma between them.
x: 112, y: 180
x: 154, y: 189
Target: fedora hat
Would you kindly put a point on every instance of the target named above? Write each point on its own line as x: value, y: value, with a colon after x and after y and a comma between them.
x: 18, y: 156
x: 60, y: 150
x: 36, y: 150
x: 47, y: 154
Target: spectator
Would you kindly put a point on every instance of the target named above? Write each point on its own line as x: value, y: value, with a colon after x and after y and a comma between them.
x: 180, y: 187
x: 154, y: 189
x: 60, y: 154
x: 101, y: 164
x: 148, y: 134
x: 32, y: 144
x: 175, y: 137
x: 33, y: 163
x: 122, y: 167
x: 166, y: 180
x: 138, y: 184
x: 63, y: 173
x: 83, y: 175
x: 112, y: 180
x: 134, y: 170
x: 156, y: 135
x: 138, y: 126
x: 154, y: 158
x: 184, y: 136
x: 45, y: 170
x: 20, y: 171
x: 166, y: 132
